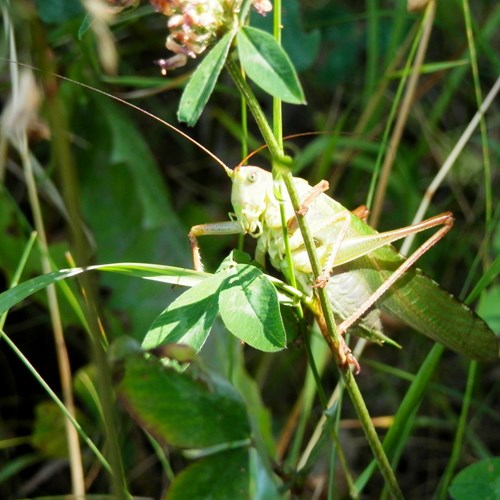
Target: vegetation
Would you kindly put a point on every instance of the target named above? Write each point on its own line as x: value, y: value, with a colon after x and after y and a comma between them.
x: 124, y: 372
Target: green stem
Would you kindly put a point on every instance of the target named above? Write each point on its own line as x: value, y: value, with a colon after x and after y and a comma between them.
x: 347, y: 376
x: 404, y: 419
x: 272, y: 142
x: 279, y: 162
x: 479, y: 99
x: 277, y: 113
x: 256, y: 110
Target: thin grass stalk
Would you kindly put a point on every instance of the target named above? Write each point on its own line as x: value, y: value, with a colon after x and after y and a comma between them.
x: 334, y: 341
x: 448, y: 164
x: 467, y: 399
x: 403, y: 114
x: 19, y: 270
x: 318, y: 357
x: 479, y: 99
x: 372, y: 46
x: 277, y: 110
x: 398, y: 28
x: 371, y: 108
x: 330, y: 425
x: 488, y: 33
x: 266, y: 131
x: 244, y: 124
x: 162, y: 457
x: 335, y: 398
x: 392, y: 115
x: 36, y: 375
x: 14, y: 77
x: 278, y: 135
x: 65, y: 375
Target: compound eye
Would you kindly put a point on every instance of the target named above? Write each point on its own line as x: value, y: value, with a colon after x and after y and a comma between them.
x: 253, y: 176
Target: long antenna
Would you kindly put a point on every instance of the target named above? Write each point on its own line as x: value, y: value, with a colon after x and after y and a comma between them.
x: 286, y: 138
x: 228, y: 170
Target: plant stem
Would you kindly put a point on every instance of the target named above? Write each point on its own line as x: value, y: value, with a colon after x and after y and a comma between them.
x: 333, y: 339
x: 255, y: 109
x: 479, y: 99
x: 277, y: 114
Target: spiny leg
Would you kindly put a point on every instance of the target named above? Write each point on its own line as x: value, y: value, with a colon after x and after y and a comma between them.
x: 446, y: 220
x: 215, y: 228
x: 318, y: 189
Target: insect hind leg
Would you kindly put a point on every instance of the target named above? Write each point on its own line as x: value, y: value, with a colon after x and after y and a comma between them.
x: 446, y: 221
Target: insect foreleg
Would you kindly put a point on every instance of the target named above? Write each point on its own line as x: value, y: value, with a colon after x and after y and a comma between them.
x: 318, y: 189
x: 214, y: 228
x: 446, y: 220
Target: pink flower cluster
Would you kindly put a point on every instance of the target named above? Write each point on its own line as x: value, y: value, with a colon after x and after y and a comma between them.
x: 196, y: 24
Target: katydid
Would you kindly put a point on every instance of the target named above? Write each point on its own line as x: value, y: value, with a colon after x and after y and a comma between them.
x: 362, y: 271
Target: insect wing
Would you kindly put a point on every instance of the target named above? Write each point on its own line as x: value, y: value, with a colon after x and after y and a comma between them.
x: 421, y: 303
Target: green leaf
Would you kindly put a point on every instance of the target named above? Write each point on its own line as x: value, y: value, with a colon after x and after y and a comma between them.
x: 431, y: 68
x: 220, y: 476
x: 181, y: 410
x: 301, y: 45
x: 15, y: 295
x: 134, y: 219
x: 268, y: 65
x: 480, y: 480
x: 168, y: 274
x: 155, y: 272
x: 202, y: 83
x: 187, y: 320
x: 250, y: 310
x: 129, y: 181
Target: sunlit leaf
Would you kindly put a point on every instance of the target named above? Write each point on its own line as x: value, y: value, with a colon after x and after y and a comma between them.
x: 268, y: 65
x: 300, y: 44
x: 250, y: 310
x: 189, y: 319
x: 202, y: 82
x: 168, y: 274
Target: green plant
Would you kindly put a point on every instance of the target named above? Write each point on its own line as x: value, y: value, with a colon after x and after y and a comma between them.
x: 220, y: 417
